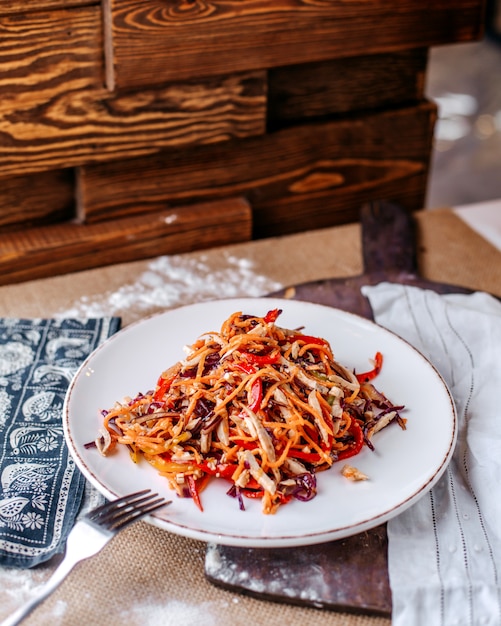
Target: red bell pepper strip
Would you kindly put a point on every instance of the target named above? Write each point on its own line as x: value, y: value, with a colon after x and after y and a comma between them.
x: 252, y: 493
x: 366, y: 376
x: 253, y: 485
x: 315, y: 435
x: 358, y: 436
x: 222, y: 470
x: 318, y: 341
x: 309, y: 457
x: 272, y: 315
x: 246, y: 445
x: 256, y: 395
x: 262, y: 359
x: 247, y: 368
x: 193, y: 489
x: 163, y: 386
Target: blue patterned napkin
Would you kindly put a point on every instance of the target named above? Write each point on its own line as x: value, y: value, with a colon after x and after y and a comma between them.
x: 40, y: 487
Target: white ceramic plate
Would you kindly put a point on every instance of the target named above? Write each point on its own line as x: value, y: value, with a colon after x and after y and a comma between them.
x: 403, y: 467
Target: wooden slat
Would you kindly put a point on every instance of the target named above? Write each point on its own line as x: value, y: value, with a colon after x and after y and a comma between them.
x: 329, y: 207
x: 23, y: 6
x: 45, y: 55
x: 63, y: 248
x: 345, y: 85
x: 89, y: 126
x: 162, y: 40
x: 296, y: 179
x: 36, y: 199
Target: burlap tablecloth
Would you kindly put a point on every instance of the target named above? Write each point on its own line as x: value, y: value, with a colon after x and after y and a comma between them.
x: 149, y: 576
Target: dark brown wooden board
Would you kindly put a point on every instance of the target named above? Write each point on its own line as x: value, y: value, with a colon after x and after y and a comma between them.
x: 351, y: 574
x: 22, y: 6
x: 338, y: 86
x: 156, y: 41
x: 36, y: 199
x: 57, y: 249
x: 303, y: 177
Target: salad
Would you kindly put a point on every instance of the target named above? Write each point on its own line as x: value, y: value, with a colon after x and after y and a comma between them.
x: 263, y: 407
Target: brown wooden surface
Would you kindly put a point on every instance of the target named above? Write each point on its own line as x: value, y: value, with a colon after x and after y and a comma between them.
x: 63, y: 248
x: 399, y: 182
x: 304, y: 177
x: 73, y: 126
x: 368, y: 82
x: 349, y: 575
x: 162, y: 40
x: 22, y: 6
x: 36, y: 199
x: 48, y: 53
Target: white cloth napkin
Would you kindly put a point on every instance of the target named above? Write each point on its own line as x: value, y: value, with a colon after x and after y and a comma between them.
x: 445, y: 551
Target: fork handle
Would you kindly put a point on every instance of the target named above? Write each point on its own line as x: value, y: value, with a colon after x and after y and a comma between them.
x: 50, y: 586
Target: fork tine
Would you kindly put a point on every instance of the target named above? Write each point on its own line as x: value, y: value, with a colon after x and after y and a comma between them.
x: 112, y: 504
x: 134, y: 515
x: 123, y: 511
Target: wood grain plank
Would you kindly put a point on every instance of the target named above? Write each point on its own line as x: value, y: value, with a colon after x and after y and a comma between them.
x: 63, y: 248
x: 345, y: 85
x: 47, y: 54
x: 330, y: 207
x: 76, y: 126
x: 24, y: 6
x: 36, y: 199
x: 295, y: 179
x: 162, y: 40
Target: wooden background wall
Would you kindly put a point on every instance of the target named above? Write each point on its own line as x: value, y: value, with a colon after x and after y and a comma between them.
x: 131, y: 128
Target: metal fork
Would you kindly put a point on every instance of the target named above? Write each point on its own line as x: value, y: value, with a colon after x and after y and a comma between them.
x: 89, y: 535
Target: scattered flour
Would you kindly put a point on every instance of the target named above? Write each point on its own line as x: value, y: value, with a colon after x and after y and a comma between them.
x: 60, y: 609
x: 173, y: 281
x: 19, y: 585
x: 283, y: 581
x: 173, y: 613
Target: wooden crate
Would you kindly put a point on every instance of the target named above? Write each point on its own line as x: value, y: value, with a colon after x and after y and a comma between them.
x: 119, y: 109
x: 316, y: 173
